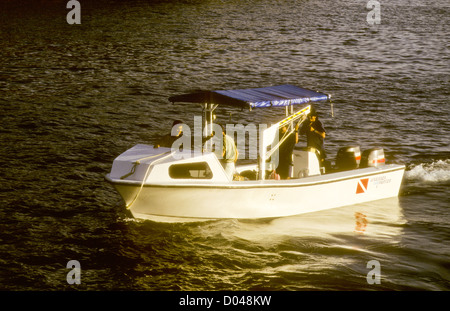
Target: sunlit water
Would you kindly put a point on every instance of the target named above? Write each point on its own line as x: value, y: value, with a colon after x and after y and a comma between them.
x: 74, y: 97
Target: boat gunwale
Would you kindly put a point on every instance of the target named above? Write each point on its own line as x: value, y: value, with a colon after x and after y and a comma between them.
x: 290, y: 183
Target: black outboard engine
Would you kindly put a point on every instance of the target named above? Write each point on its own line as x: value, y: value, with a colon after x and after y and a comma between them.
x: 373, y: 157
x: 348, y: 158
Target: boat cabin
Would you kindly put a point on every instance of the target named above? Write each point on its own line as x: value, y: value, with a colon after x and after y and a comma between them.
x: 162, y: 165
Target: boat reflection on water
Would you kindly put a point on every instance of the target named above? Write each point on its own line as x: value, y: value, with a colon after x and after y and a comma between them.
x: 381, y: 219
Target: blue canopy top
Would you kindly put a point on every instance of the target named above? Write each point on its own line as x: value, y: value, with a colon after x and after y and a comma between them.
x: 272, y: 96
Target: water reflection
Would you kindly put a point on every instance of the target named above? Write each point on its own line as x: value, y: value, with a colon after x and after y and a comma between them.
x: 299, y: 252
x: 377, y: 219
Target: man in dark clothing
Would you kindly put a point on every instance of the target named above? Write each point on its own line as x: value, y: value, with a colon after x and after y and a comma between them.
x: 285, y: 152
x: 315, y: 134
x: 168, y: 139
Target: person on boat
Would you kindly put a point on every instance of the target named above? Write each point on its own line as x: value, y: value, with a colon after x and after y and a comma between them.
x: 315, y: 135
x: 168, y: 139
x: 229, y: 153
x: 285, y: 152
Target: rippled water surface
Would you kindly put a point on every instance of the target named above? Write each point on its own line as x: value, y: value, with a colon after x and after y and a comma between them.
x: 74, y: 97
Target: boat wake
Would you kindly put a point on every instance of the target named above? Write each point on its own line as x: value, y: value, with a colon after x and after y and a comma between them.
x: 435, y: 172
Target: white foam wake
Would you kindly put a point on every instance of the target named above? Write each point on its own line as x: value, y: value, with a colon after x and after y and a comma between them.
x: 437, y: 171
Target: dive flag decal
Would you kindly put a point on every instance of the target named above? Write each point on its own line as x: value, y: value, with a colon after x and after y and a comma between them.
x: 362, y: 185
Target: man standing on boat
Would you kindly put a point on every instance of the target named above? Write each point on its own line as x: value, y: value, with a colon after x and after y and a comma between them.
x: 315, y: 134
x: 285, y: 151
x: 229, y: 152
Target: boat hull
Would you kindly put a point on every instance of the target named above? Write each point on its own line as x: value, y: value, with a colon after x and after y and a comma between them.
x: 259, y: 199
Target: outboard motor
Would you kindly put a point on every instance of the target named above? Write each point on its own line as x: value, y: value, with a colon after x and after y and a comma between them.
x: 373, y: 157
x: 348, y: 158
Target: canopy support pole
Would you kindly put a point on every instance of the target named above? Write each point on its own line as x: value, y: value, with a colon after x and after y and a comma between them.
x: 208, y: 117
x: 267, y: 137
x: 331, y: 104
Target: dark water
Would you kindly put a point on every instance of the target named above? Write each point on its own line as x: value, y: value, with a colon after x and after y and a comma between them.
x: 73, y: 97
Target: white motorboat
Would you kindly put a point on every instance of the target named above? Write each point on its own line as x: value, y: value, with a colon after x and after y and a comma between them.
x: 172, y: 185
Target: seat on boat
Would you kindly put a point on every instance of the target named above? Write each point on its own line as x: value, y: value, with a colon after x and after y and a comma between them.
x: 306, y: 163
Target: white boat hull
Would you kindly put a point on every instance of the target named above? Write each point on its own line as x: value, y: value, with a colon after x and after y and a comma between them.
x: 258, y: 199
